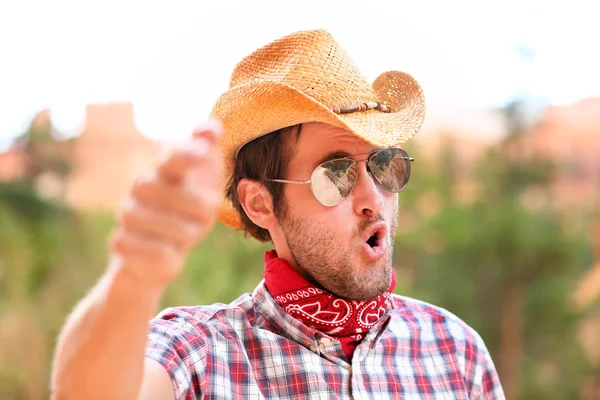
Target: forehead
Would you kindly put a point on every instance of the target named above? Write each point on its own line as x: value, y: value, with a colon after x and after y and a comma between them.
x: 317, y: 139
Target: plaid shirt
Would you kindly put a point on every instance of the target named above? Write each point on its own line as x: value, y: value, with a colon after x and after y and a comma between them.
x: 253, y: 349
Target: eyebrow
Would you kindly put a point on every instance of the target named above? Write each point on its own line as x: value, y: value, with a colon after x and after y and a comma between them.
x: 340, y: 154
x: 331, y: 156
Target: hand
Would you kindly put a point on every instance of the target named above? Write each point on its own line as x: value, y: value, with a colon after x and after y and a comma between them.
x: 171, y: 209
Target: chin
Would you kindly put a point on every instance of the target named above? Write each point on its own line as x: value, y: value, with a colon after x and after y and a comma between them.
x: 372, y: 284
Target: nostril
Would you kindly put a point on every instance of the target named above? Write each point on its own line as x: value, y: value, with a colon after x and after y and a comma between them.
x: 368, y: 212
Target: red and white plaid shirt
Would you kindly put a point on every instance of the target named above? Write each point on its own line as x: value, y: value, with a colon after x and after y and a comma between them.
x: 253, y: 349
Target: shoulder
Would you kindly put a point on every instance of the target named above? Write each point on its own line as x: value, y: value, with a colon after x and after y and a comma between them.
x: 185, y: 340
x: 434, y: 321
x: 198, y: 322
x: 178, y: 333
x: 440, y: 335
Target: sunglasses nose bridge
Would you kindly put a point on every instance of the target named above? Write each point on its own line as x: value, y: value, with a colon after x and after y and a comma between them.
x: 367, y: 170
x: 367, y: 198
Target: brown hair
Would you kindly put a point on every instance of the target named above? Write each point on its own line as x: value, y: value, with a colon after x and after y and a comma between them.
x: 262, y: 158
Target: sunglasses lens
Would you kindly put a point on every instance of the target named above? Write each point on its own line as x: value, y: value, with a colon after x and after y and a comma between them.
x: 332, y: 181
x: 391, y: 169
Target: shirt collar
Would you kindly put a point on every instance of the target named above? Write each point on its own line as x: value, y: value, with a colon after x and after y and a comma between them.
x: 274, y: 318
x: 280, y: 321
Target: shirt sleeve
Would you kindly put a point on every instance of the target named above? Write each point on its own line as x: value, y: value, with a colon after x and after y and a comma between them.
x: 491, y: 387
x: 486, y: 385
x: 176, y: 344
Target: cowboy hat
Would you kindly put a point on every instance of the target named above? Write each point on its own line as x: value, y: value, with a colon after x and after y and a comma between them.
x: 305, y: 77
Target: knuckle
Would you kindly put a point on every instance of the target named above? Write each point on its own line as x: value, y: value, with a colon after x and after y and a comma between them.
x: 165, y: 255
x: 190, y: 235
x: 128, y: 219
x: 143, y: 185
x: 127, y: 216
x: 201, y: 206
x: 166, y: 156
x: 203, y: 213
x: 124, y: 205
x: 209, y: 196
x: 175, y: 158
x: 212, y: 200
x: 117, y: 241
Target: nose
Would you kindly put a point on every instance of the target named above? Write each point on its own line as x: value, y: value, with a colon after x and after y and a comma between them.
x: 367, y: 196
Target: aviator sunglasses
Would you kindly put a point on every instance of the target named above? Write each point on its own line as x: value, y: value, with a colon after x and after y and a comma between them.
x: 332, y: 181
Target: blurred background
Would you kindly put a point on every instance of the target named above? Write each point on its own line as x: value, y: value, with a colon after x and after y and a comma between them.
x: 500, y: 223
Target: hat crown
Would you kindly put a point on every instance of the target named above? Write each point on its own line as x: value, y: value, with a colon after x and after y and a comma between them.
x: 313, y: 63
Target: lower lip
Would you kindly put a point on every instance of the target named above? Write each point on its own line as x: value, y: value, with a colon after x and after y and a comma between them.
x: 377, y: 252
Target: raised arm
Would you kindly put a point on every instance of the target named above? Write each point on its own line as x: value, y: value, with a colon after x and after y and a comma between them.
x: 100, y: 351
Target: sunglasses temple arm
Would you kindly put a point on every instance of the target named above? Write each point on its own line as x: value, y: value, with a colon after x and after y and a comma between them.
x: 294, y: 182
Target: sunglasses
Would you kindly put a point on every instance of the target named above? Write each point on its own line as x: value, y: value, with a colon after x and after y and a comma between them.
x: 333, y: 181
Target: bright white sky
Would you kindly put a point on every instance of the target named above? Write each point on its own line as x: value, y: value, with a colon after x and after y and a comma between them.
x: 173, y: 58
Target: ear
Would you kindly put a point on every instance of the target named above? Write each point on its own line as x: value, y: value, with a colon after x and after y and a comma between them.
x: 256, y: 202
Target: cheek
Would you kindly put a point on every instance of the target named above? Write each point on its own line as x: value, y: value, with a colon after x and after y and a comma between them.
x: 391, y: 211
x: 300, y: 198
x: 391, y: 201
x: 340, y: 220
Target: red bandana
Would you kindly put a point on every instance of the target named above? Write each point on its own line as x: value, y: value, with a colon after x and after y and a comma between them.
x: 346, y: 320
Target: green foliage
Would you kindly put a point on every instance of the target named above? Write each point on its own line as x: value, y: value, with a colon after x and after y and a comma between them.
x: 41, y: 248
x: 45, y: 154
x: 220, y: 269
x: 20, y: 197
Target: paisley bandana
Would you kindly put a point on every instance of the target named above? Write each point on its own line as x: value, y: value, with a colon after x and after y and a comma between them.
x: 346, y: 320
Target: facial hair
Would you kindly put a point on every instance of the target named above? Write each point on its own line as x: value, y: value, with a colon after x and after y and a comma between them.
x: 323, y: 260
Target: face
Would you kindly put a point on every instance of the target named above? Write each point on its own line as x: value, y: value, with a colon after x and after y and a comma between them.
x: 345, y: 249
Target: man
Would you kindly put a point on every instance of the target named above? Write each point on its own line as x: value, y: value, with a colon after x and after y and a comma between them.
x: 311, y: 161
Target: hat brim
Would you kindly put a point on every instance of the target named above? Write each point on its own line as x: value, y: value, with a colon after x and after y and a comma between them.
x: 256, y: 109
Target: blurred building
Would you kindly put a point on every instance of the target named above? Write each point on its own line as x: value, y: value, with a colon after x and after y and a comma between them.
x: 107, y: 157
x: 103, y: 161
x: 570, y: 137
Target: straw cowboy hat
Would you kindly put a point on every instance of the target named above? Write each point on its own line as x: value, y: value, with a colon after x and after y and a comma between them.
x: 306, y: 77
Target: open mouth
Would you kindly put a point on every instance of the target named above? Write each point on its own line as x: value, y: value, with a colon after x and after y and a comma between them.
x: 372, y: 241
x: 374, y: 236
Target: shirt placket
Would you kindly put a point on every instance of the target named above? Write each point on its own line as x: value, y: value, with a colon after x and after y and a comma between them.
x: 359, y: 390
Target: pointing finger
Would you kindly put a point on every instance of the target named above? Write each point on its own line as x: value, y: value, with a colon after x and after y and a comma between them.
x: 175, y: 162
x: 210, y: 129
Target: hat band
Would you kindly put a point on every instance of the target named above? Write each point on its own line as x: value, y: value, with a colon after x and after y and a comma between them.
x: 373, y: 105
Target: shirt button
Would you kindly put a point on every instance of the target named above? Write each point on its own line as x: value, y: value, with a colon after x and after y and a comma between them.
x: 324, y: 344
